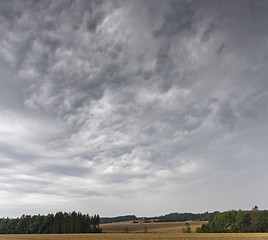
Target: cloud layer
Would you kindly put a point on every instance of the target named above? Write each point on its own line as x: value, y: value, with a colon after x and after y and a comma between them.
x: 144, y: 107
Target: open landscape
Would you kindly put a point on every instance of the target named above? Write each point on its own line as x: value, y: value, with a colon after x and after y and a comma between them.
x: 136, y: 231
x: 140, y: 236
x: 155, y: 227
x: 155, y: 231
x: 133, y: 119
x: 76, y: 226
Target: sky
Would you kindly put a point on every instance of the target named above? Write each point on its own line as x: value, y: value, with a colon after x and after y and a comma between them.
x: 141, y: 107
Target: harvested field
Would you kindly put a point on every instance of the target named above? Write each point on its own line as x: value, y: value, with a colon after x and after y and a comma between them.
x: 140, y: 236
x: 151, y: 227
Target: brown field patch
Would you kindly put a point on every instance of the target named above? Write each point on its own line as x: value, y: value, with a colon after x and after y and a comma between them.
x: 139, y: 236
x: 151, y: 227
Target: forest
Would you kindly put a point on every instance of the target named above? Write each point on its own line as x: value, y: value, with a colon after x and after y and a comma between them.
x: 59, y: 223
x: 237, y: 222
x: 182, y: 217
x: 171, y: 217
x: 118, y: 219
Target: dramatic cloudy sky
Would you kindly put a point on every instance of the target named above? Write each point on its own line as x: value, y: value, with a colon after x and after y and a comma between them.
x: 139, y: 107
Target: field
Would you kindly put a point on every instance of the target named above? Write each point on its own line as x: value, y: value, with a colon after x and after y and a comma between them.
x: 141, y: 236
x: 156, y: 231
x: 163, y: 227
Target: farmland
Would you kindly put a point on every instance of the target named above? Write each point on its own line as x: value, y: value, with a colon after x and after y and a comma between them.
x: 155, y: 227
x: 140, y: 236
x: 156, y: 231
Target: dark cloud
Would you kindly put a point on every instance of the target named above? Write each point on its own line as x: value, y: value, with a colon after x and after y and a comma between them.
x: 179, y: 20
x: 208, y: 32
x: 102, y: 102
x: 220, y: 49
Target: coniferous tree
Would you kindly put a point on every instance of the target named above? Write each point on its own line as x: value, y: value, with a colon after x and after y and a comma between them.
x: 58, y: 223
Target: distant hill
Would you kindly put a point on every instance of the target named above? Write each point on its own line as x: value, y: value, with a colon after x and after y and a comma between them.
x: 182, y: 217
x: 118, y: 219
x: 172, y: 217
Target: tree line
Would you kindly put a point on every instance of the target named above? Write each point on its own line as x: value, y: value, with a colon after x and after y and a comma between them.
x: 182, y: 217
x: 171, y: 217
x: 237, y: 222
x: 59, y: 223
x: 118, y: 219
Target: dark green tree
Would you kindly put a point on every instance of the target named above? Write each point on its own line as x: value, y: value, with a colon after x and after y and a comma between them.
x: 187, y: 228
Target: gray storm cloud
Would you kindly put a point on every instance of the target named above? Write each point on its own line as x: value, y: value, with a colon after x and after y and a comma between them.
x: 106, y: 103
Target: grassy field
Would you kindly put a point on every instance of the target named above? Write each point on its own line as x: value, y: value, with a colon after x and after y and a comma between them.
x: 141, y: 236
